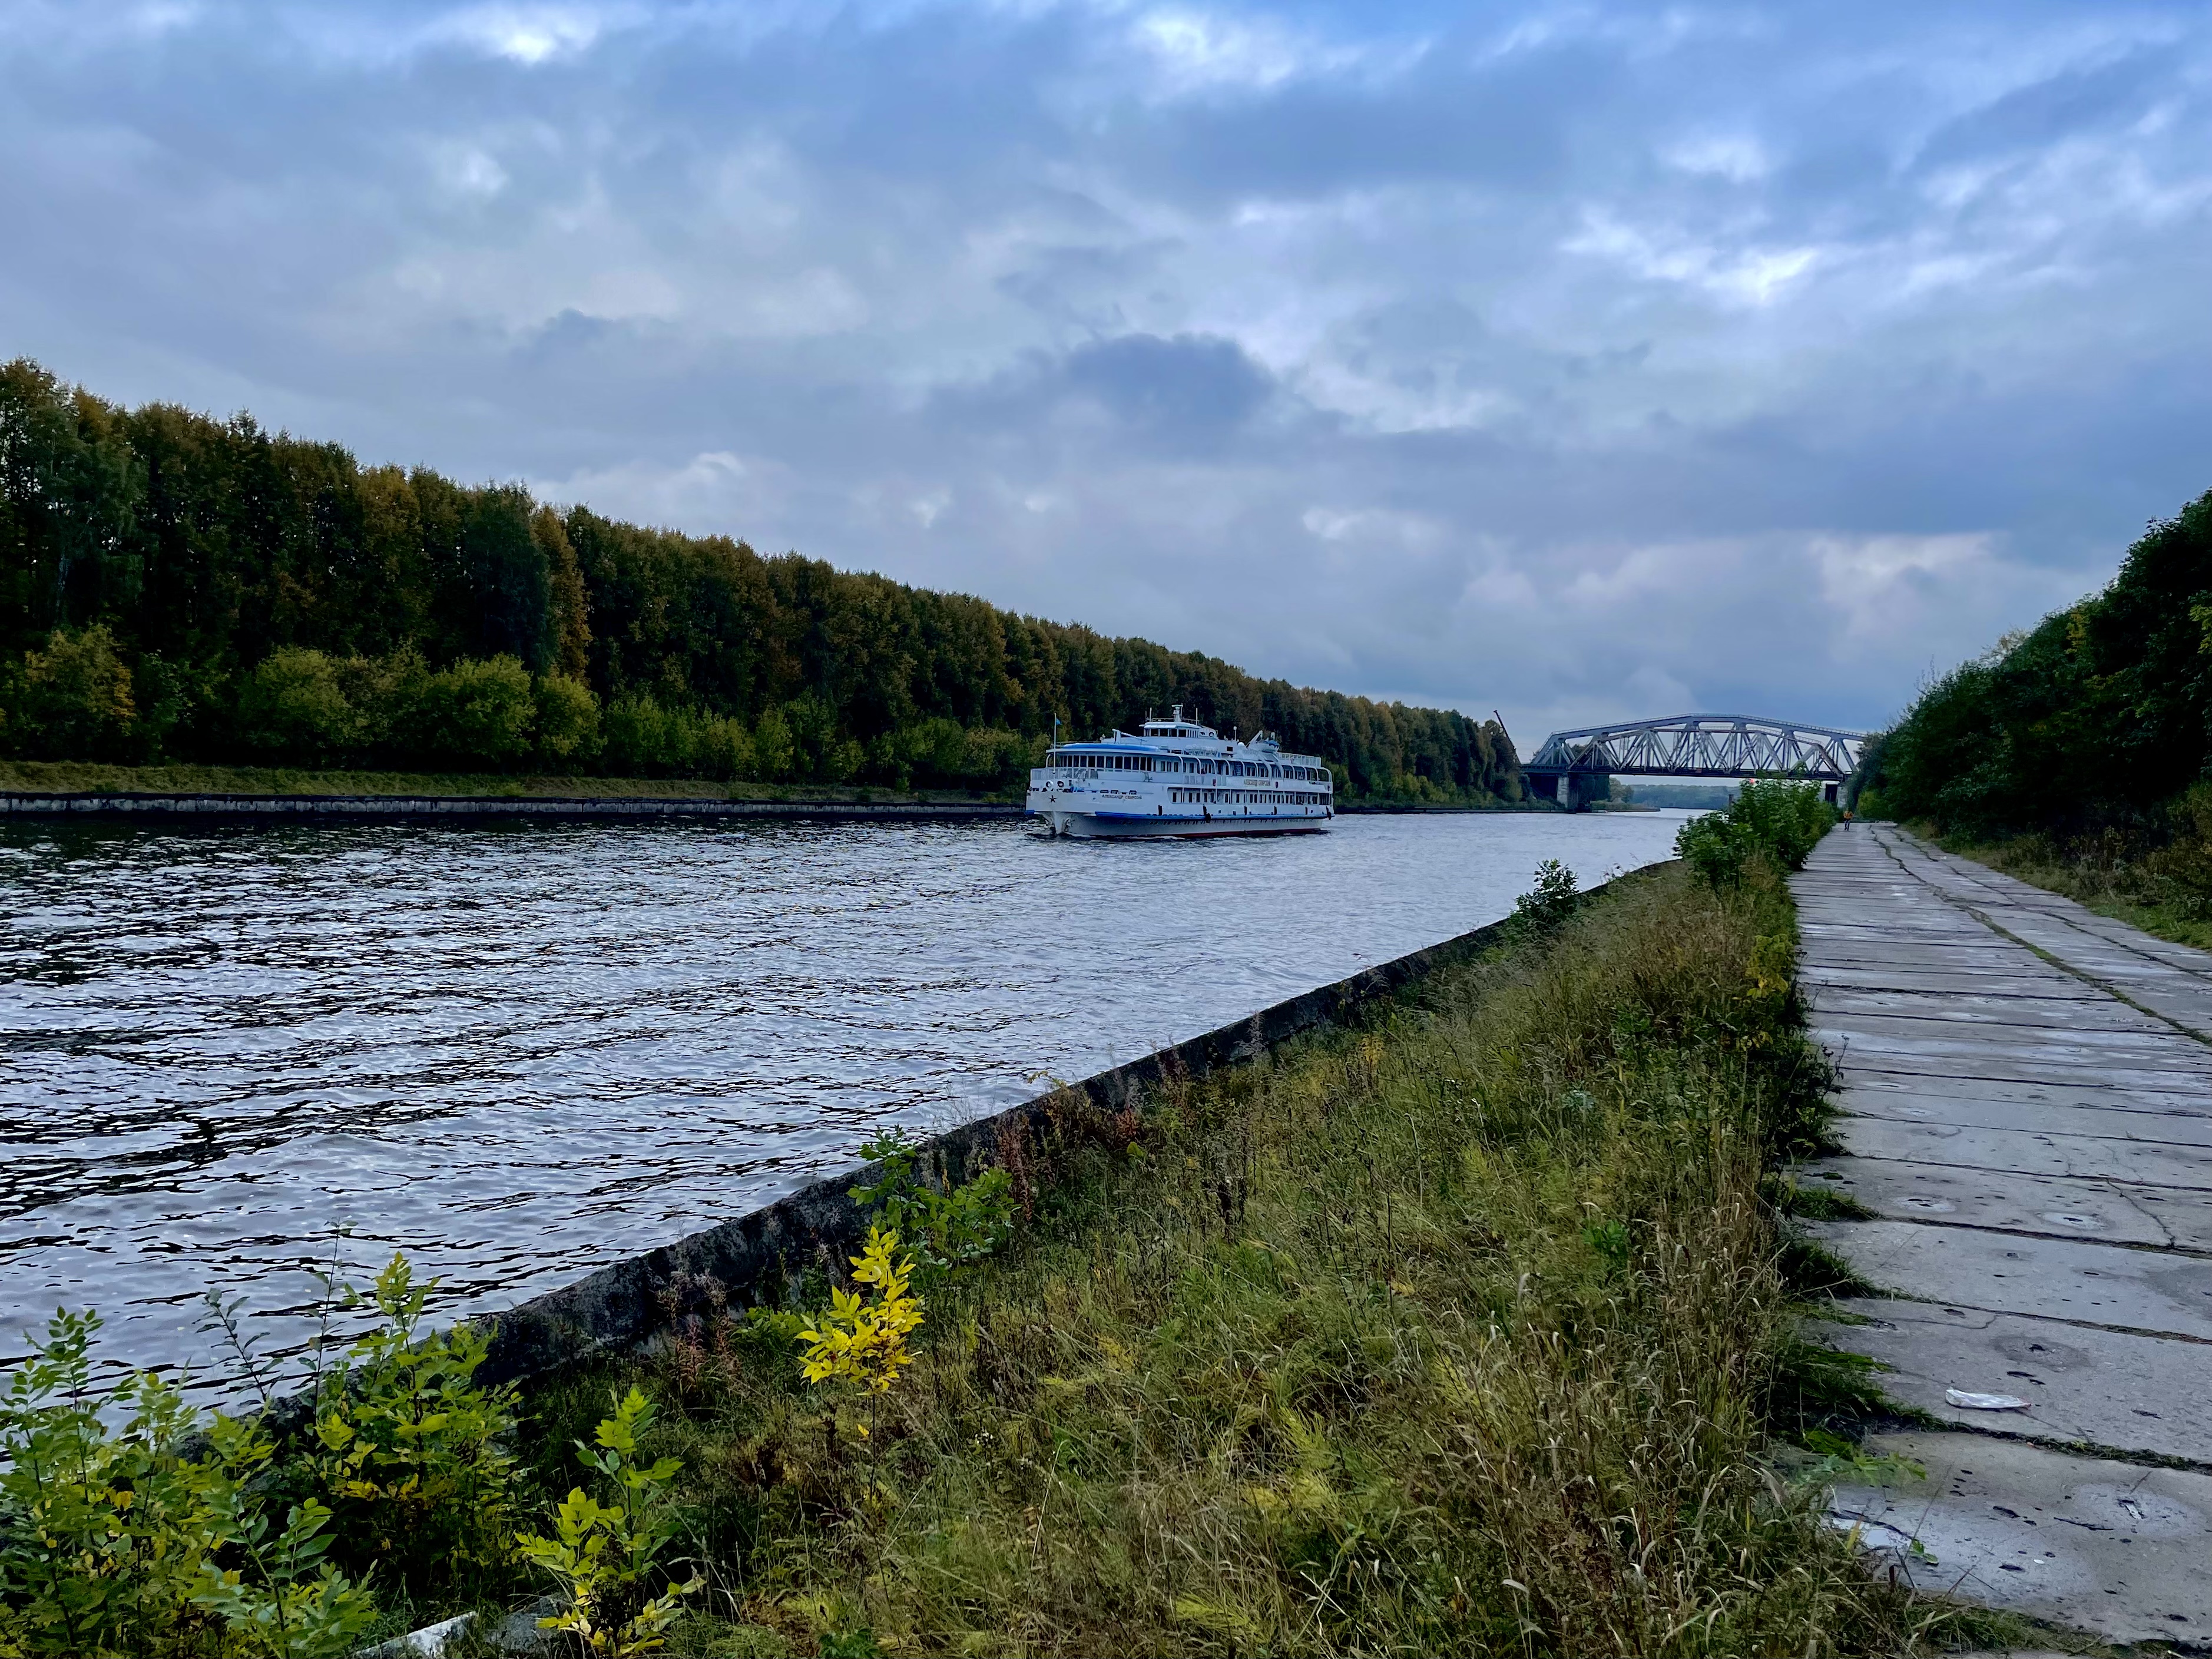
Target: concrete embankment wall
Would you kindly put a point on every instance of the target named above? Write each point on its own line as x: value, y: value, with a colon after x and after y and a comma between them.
x: 342, y: 808
x: 749, y: 1259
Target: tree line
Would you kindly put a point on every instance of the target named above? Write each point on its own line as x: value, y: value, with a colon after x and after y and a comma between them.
x: 178, y: 588
x: 2096, y: 722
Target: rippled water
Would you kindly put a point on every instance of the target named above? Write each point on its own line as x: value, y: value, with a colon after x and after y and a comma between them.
x: 521, y: 1052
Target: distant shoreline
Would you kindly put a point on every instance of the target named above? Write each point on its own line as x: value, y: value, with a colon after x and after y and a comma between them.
x: 43, y: 789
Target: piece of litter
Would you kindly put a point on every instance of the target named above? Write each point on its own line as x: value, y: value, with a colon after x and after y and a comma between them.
x: 1984, y: 1402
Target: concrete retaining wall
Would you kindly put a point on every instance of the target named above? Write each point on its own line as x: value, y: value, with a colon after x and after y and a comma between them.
x: 749, y: 1259
x: 357, y: 807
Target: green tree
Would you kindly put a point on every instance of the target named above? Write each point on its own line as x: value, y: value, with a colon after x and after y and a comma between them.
x: 480, y: 713
x: 208, y: 548
x: 566, y: 721
x: 2096, y: 717
x: 294, y: 707
x: 75, y: 699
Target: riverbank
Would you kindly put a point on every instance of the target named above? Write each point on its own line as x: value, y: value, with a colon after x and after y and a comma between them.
x: 91, y: 777
x: 1460, y: 1327
x: 209, y: 787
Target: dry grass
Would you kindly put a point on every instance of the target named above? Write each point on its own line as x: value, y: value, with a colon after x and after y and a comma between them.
x: 1465, y: 1332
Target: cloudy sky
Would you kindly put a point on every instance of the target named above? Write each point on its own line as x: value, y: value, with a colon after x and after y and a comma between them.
x: 1578, y: 361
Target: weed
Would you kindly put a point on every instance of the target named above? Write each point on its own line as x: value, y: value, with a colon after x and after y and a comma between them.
x: 603, y: 1555
x: 947, y: 1231
x: 412, y: 1456
x: 114, y: 1540
x: 863, y: 1340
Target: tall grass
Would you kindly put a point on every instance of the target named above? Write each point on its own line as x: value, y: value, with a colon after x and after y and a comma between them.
x: 1464, y: 1331
x: 2157, y: 878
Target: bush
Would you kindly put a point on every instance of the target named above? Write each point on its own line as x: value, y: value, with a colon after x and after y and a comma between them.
x: 773, y: 750
x: 567, y: 720
x: 1772, y: 820
x: 2180, y: 872
x: 138, y: 1525
x: 74, y: 700
x: 113, y: 1540
x: 646, y: 740
x: 294, y: 707
x: 412, y: 1456
x: 943, y: 754
x: 725, y: 750
x: 1549, y: 905
x: 479, y: 713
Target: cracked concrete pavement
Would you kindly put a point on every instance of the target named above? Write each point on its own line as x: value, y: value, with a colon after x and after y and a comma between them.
x: 2027, y: 1116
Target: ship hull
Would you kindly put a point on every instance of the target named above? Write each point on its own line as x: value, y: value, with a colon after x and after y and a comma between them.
x: 1114, y: 826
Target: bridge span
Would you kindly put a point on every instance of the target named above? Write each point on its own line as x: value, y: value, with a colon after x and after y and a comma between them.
x: 1575, y: 767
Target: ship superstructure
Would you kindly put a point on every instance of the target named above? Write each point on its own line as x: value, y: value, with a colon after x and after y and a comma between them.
x: 1176, y: 777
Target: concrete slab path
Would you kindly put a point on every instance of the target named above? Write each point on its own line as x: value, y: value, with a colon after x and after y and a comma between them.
x: 2026, y: 1100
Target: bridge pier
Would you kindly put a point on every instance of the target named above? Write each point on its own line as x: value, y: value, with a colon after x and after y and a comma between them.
x: 1573, y: 790
x: 1584, y: 788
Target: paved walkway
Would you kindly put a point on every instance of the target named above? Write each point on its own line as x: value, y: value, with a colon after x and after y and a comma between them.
x: 2028, y: 1098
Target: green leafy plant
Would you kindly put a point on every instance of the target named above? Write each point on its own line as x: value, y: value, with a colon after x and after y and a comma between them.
x: 1545, y: 908
x: 409, y: 1452
x: 112, y: 1540
x: 100, y: 1534
x: 1772, y: 818
x: 295, y: 1604
x: 604, y: 1554
x: 947, y: 1231
x: 864, y: 1339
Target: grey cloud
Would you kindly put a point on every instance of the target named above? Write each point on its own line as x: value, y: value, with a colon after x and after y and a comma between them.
x: 1765, y: 358
x: 2076, y: 101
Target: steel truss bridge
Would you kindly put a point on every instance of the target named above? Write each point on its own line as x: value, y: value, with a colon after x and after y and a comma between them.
x: 1572, y: 766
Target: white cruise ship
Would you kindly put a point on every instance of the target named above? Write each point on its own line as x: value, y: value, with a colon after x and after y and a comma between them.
x: 1176, y: 777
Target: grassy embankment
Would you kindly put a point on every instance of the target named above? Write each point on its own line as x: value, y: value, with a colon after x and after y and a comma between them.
x: 2108, y: 877
x: 1469, y: 1328
x: 91, y: 777
x: 1466, y: 1331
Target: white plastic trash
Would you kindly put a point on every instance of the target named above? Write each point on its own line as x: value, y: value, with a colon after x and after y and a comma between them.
x: 1984, y: 1402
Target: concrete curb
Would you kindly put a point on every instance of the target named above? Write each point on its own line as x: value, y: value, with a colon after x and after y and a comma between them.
x: 749, y: 1259
x: 27, y: 804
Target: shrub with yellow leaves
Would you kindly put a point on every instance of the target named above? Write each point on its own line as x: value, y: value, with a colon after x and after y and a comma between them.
x: 863, y: 1339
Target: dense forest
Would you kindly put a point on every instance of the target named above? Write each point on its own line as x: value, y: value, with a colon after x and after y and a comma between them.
x: 2098, y: 716
x: 176, y: 588
x: 2092, y: 732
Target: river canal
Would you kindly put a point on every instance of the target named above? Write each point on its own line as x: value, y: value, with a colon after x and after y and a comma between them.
x: 521, y: 1052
